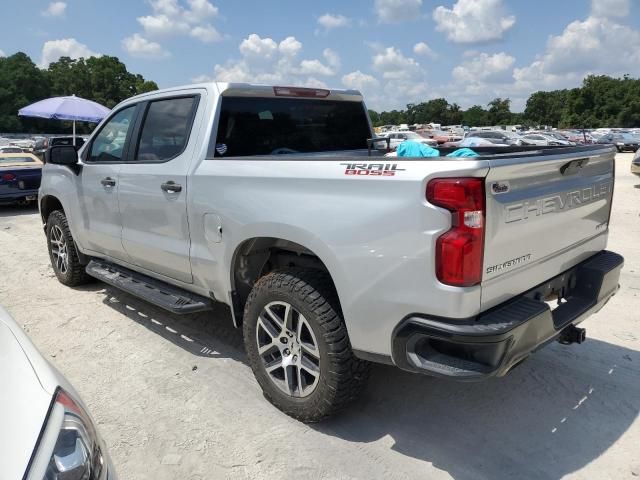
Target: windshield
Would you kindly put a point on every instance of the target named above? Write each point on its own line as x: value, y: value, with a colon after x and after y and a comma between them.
x: 271, y: 126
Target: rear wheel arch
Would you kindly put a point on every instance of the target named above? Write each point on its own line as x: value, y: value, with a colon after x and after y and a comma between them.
x: 258, y: 256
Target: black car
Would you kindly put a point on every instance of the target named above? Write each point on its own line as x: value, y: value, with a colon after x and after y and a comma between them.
x: 43, y: 143
x: 624, y: 142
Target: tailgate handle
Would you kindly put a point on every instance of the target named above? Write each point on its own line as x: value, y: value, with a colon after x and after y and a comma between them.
x: 573, y: 166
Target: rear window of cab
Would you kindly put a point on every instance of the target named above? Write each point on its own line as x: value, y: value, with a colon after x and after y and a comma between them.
x: 271, y: 126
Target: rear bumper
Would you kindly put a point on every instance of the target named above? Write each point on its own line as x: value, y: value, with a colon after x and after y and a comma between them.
x: 497, y: 340
x: 17, y: 195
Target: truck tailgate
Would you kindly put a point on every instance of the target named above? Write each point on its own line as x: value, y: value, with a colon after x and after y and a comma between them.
x: 545, y: 212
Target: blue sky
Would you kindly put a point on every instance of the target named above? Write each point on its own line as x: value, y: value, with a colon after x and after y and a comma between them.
x: 395, y: 51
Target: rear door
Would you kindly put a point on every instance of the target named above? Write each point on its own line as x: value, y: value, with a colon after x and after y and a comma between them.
x: 153, y: 185
x: 545, y: 213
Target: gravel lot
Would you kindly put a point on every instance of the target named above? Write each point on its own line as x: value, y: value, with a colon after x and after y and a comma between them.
x: 175, y: 399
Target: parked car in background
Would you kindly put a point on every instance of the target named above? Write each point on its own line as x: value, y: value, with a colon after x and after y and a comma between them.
x: 471, y: 142
x: 396, y: 138
x: 635, y: 163
x: 20, y: 175
x: 443, y: 137
x: 543, y: 140
x: 11, y: 149
x: 47, y: 433
x: 43, y: 143
x: 498, y: 137
x: 624, y: 142
x: 578, y: 137
x: 560, y: 137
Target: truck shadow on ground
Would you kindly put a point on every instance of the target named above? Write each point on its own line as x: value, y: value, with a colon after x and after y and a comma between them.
x: 552, y: 416
x: 559, y: 411
x: 207, y: 334
x: 7, y: 211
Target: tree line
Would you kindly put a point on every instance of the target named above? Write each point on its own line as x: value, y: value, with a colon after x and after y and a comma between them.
x: 104, y: 79
x: 601, y: 101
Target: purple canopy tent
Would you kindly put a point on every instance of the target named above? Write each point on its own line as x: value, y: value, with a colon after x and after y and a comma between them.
x: 66, y: 108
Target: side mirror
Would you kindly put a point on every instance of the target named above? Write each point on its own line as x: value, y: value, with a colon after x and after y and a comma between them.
x: 62, y: 155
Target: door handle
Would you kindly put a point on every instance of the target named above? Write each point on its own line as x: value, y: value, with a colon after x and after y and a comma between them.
x: 171, y: 187
x: 108, y: 182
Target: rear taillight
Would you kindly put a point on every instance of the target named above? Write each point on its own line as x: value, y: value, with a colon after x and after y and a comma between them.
x: 8, y: 177
x: 459, y: 250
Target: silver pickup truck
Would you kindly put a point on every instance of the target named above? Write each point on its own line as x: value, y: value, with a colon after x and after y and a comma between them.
x: 331, y: 255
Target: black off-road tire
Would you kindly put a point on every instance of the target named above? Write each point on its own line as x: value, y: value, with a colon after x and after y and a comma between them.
x: 75, y: 273
x: 342, y: 375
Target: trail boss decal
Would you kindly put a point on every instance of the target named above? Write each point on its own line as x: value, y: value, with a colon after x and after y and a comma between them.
x: 372, y: 169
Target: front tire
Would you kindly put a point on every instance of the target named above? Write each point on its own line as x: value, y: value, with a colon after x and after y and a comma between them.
x: 298, y: 346
x: 63, y: 253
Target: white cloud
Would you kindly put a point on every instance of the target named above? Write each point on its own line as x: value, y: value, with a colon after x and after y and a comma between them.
x: 424, y: 50
x: 206, y: 33
x: 610, y: 8
x: 254, y: 46
x: 290, y: 47
x: 402, y: 79
x: 330, y: 21
x: 314, y: 67
x: 359, y: 81
x: 2, y: 54
x: 264, y: 60
x: 55, y: 9
x: 199, y: 10
x: 394, y: 11
x: 66, y: 47
x: 473, y: 21
x: 138, y: 46
x: 394, y: 65
x: 485, y: 68
x: 170, y: 18
x: 332, y: 58
x: 583, y: 48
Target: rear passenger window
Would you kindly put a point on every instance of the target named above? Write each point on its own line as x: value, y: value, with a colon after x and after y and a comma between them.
x: 166, y: 128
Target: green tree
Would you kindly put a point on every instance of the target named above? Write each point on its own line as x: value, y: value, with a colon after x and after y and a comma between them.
x: 375, y: 118
x: 105, y: 80
x: 475, y: 116
x: 21, y: 83
x: 546, y: 108
x: 102, y: 79
x: 499, y: 111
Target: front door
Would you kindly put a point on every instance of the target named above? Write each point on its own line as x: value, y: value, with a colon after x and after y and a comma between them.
x: 99, y: 185
x: 152, y: 187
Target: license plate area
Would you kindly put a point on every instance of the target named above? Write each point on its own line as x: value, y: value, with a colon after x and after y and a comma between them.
x: 555, y: 292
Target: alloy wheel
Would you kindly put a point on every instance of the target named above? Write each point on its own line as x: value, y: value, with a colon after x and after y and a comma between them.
x: 59, y: 249
x: 288, y: 349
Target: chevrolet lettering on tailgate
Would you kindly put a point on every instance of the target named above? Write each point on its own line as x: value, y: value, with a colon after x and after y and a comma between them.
x: 556, y: 203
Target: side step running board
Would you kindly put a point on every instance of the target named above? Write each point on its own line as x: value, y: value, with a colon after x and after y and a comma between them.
x: 157, y: 292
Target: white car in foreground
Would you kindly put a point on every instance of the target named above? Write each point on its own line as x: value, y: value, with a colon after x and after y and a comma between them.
x: 46, y: 431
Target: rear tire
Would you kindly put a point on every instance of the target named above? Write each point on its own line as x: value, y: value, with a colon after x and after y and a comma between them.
x: 298, y: 346
x: 63, y: 253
